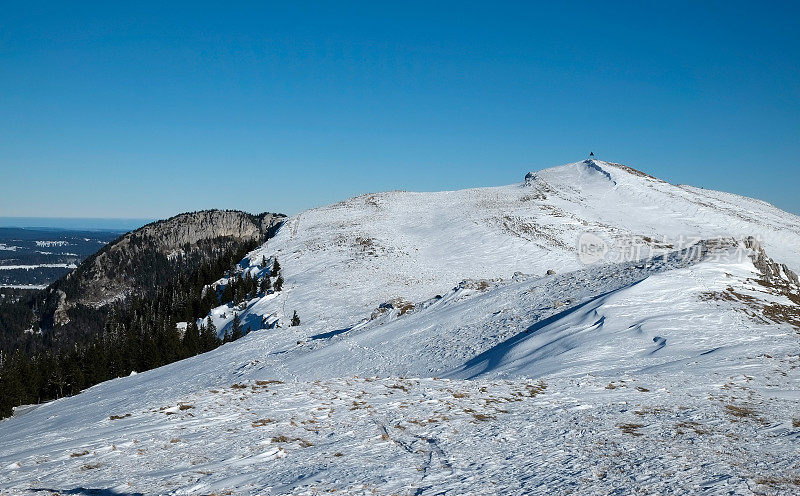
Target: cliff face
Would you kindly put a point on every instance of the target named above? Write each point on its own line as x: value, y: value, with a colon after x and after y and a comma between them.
x: 191, y: 228
x: 138, y: 260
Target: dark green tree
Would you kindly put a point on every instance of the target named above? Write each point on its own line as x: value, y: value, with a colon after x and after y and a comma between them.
x: 208, y: 336
x: 236, y: 327
x: 191, y: 339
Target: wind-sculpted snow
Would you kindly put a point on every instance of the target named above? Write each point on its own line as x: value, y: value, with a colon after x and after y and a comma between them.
x: 437, y: 356
x: 614, y: 378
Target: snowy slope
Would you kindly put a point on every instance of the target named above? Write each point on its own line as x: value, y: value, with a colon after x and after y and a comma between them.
x: 342, y: 261
x: 675, y: 373
x: 637, y: 381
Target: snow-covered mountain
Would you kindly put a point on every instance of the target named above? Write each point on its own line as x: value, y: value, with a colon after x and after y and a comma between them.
x: 461, y: 342
x: 342, y: 261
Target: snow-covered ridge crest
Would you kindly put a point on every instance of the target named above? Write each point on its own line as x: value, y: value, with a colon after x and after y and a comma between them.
x: 342, y: 261
x: 586, y: 171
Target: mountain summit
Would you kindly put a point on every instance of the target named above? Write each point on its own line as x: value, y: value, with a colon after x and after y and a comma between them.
x: 344, y: 258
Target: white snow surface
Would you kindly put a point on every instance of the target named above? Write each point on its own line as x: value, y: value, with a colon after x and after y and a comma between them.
x: 674, y: 374
x: 342, y: 259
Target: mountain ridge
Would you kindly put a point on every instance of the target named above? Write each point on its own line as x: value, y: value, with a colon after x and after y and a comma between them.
x: 177, y: 235
x: 343, y: 260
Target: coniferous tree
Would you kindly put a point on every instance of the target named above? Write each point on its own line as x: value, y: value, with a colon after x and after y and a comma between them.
x: 278, y: 283
x: 227, y: 292
x: 208, y: 336
x: 236, y: 327
x: 191, y: 339
x: 276, y: 268
x: 295, y: 319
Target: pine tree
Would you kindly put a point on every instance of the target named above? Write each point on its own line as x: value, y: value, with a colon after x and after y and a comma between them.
x: 227, y: 292
x: 295, y: 319
x: 276, y: 268
x: 278, y: 283
x: 263, y: 261
x: 208, y: 336
x: 191, y: 339
x: 236, y: 327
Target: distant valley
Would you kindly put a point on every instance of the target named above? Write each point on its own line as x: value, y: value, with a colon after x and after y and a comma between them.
x: 32, y: 258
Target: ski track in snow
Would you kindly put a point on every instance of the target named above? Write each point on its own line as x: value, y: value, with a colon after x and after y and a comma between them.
x: 606, y: 379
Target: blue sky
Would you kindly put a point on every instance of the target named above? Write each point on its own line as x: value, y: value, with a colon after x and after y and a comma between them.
x: 146, y: 110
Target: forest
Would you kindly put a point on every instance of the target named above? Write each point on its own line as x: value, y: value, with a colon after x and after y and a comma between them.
x: 132, y: 335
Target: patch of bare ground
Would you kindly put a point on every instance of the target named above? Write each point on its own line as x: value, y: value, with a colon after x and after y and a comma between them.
x: 530, y: 231
x: 268, y: 382
x: 775, y: 312
x: 742, y: 412
x: 780, y: 482
x: 635, y: 172
x: 690, y: 425
x: 650, y: 410
x: 632, y: 429
x: 368, y: 245
x: 284, y: 439
x: 656, y: 245
x: 535, y: 390
x: 482, y: 417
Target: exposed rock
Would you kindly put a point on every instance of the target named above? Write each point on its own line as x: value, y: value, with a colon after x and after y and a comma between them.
x: 768, y: 267
x: 116, y: 270
x: 60, y: 316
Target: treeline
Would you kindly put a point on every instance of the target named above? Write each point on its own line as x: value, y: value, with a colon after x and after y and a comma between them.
x: 137, y: 334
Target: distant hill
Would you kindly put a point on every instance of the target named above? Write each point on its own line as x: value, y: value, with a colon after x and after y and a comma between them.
x: 145, y: 258
x: 137, y: 263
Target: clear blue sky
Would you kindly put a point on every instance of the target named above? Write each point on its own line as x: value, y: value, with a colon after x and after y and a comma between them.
x: 127, y: 109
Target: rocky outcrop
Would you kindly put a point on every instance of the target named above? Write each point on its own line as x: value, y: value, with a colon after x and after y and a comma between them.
x: 190, y: 228
x: 770, y: 269
x: 60, y: 316
x: 121, y: 268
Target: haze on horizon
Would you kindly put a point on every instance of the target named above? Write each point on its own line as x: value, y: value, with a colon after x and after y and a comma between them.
x: 119, y: 111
